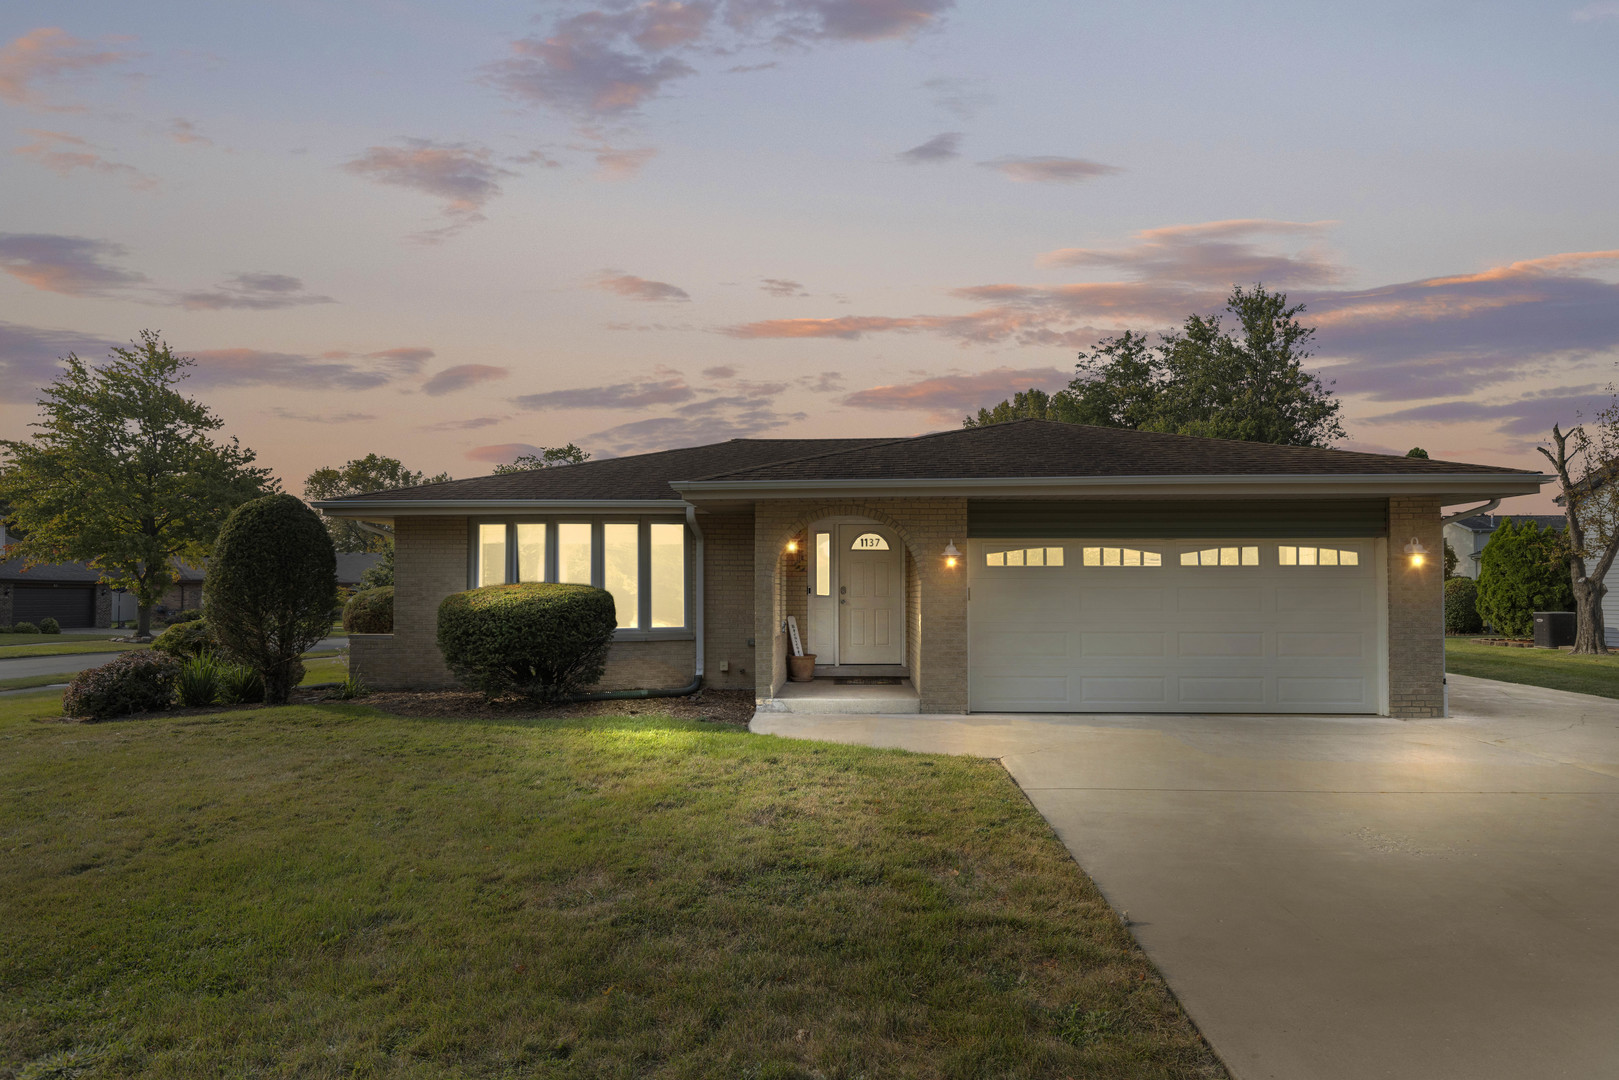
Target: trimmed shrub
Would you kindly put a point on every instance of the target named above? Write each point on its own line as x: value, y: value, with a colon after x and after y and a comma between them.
x: 135, y: 682
x: 24, y: 628
x: 239, y: 685
x: 370, y: 612
x: 187, y: 639
x: 198, y: 681
x: 4, y: 629
x: 190, y: 614
x: 272, y: 583
x: 48, y: 625
x: 543, y: 641
x: 1461, y: 606
x: 1523, y: 569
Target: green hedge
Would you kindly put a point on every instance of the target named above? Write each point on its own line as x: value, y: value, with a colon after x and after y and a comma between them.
x: 1523, y: 569
x: 135, y: 682
x: 1461, y: 606
x: 187, y: 639
x: 543, y: 641
x: 370, y: 612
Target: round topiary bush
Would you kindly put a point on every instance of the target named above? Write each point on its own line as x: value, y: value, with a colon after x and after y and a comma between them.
x: 370, y: 612
x: 1461, y: 607
x: 24, y: 628
x: 190, y: 614
x: 272, y: 583
x: 48, y: 625
x: 543, y: 641
x: 185, y: 640
x: 135, y: 682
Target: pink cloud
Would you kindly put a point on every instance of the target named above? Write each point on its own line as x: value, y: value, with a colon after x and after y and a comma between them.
x: 1049, y: 170
x: 253, y: 292
x: 1215, y: 254
x: 462, y: 376
x: 463, y: 176
x: 62, y: 153
x: 47, y: 55
x: 185, y: 133
x: 670, y: 390
x: 69, y: 265
x: 637, y: 288
x: 951, y: 395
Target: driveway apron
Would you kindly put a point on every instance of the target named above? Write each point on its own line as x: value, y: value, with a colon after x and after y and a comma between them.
x: 1343, y: 897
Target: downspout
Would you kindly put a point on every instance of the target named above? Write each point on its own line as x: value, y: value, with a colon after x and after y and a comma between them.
x: 696, y: 683
x: 1483, y: 509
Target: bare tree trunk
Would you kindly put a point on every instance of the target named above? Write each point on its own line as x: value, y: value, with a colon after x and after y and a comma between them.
x: 143, y: 620
x: 1588, y: 631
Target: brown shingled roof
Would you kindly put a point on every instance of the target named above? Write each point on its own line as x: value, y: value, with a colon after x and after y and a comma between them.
x: 1048, y: 448
x: 635, y: 477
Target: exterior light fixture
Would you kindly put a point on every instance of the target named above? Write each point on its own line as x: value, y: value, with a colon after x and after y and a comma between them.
x: 952, y: 556
x: 792, y: 546
x: 1416, y: 552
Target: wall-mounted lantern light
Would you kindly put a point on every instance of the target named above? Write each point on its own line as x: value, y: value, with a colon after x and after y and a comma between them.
x: 951, y: 555
x: 792, y: 546
x: 1416, y: 552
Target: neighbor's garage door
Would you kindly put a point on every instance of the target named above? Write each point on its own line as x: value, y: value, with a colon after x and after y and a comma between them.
x: 69, y: 605
x: 1174, y: 626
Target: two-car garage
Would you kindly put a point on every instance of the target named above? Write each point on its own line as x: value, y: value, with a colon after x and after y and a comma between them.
x: 1097, y: 621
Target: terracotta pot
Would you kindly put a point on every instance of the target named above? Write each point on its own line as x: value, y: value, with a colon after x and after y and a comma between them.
x: 801, y: 668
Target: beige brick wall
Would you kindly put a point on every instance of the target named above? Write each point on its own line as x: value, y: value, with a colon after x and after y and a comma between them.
x: 728, y: 615
x: 430, y: 563
x: 1416, y: 611
x: 937, y: 649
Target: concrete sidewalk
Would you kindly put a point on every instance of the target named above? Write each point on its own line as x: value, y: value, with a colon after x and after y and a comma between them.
x: 1344, y: 897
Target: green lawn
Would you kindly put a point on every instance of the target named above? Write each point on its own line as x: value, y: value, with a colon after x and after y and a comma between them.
x: 54, y: 645
x: 318, y: 668
x: 1550, y: 668
x: 335, y: 892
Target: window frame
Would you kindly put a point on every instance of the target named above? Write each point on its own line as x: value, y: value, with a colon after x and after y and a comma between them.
x: 643, y: 630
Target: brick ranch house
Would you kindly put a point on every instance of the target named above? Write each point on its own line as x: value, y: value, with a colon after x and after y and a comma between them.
x: 1028, y: 566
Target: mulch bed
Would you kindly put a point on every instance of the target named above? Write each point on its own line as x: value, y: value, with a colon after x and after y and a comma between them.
x: 716, y: 706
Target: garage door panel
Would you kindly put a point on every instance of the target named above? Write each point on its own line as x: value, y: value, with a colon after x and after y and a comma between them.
x: 1221, y: 690
x: 1187, y: 635
x: 1321, y: 643
x: 1306, y: 694
x: 1215, y: 643
x: 1123, y: 643
x: 1123, y: 690
x: 1120, y: 600
x: 1026, y: 690
x: 1222, y: 600
x: 1320, y: 599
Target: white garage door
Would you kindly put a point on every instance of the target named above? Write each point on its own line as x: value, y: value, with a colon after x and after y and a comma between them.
x: 1174, y: 626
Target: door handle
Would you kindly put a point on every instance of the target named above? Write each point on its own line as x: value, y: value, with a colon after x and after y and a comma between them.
x: 843, y: 601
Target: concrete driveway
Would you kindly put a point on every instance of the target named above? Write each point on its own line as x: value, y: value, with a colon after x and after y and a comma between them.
x: 1344, y: 897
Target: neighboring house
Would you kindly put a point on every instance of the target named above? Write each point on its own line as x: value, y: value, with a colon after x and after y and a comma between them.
x: 1468, y: 536
x: 352, y: 565
x: 70, y: 593
x: 1027, y: 566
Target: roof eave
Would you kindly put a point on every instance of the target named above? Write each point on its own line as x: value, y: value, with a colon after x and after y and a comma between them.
x: 387, y: 509
x: 1457, y: 486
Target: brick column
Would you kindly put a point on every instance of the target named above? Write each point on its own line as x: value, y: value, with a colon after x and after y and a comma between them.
x: 430, y: 563
x: 1416, y: 611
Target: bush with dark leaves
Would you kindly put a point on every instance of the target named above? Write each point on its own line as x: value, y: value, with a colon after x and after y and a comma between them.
x: 543, y: 641
x: 370, y: 612
x: 135, y: 682
x: 48, y: 625
x: 187, y: 639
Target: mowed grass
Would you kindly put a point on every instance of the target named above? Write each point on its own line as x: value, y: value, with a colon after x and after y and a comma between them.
x: 53, y: 645
x: 1551, y: 668
x: 335, y: 892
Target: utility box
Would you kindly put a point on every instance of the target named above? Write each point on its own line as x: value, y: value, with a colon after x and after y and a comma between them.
x: 1554, y: 629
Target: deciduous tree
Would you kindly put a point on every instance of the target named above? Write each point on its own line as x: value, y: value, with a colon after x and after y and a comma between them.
x: 549, y: 457
x: 123, y: 474
x: 1246, y: 381
x: 374, y: 472
x: 1587, y: 468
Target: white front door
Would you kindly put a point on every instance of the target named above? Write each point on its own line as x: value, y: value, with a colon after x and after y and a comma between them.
x: 871, y: 595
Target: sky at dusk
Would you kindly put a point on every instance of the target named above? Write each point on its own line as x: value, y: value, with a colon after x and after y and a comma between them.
x: 451, y: 233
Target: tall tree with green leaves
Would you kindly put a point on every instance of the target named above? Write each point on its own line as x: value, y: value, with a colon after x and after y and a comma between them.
x: 1523, y: 569
x: 549, y: 457
x: 122, y: 472
x: 1245, y: 380
x: 374, y: 472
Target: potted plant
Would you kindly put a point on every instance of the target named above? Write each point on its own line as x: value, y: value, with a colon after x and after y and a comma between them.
x: 801, y: 668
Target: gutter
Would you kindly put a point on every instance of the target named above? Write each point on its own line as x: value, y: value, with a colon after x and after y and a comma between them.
x: 1440, y: 482
x: 1483, y: 508
x: 370, y: 508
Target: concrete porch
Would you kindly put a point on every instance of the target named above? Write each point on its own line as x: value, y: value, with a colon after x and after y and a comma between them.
x: 826, y: 696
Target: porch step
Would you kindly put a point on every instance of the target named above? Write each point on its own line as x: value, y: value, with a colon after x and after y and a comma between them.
x: 823, y: 696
